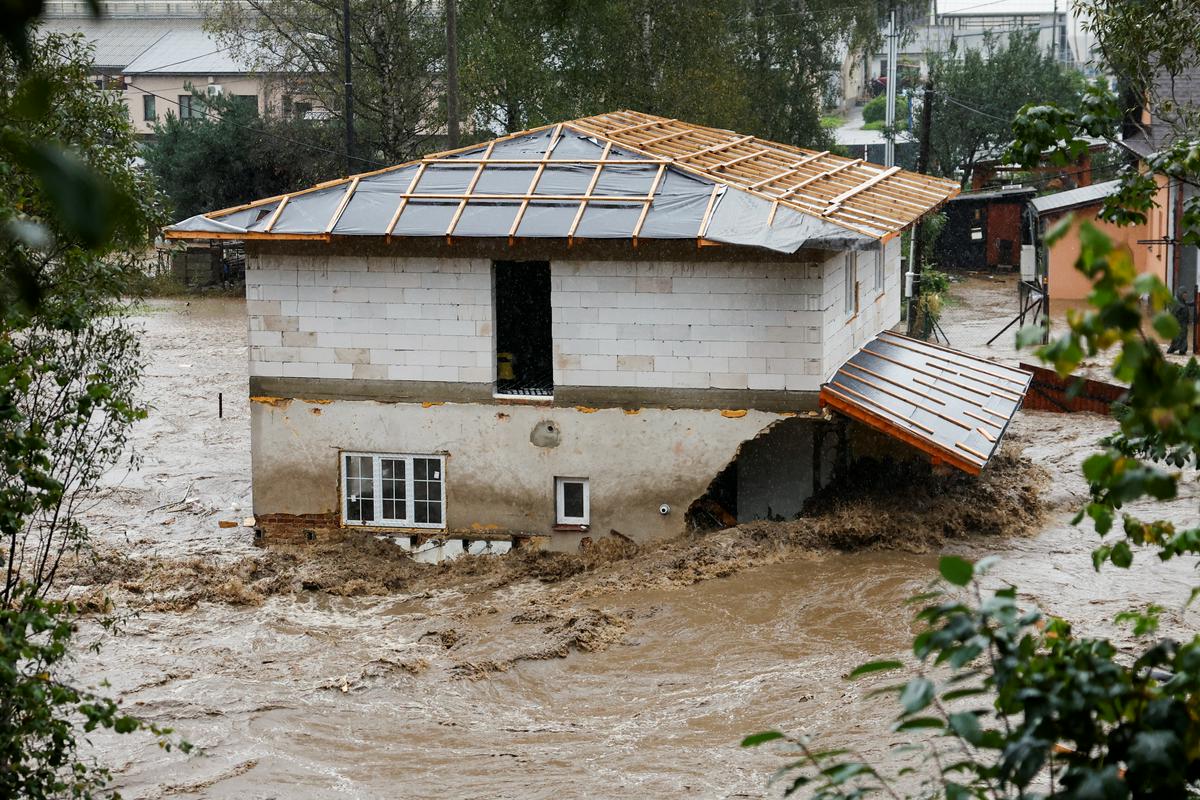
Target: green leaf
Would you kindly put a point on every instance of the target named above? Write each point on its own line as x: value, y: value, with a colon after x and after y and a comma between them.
x: 1121, y: 555
x: 1165, y: 325
x: 966, y: 725
x: 956, y: 570
x: 919, y: 722
x: 125, y: 725
x: 916, y: 695
x: 755, y: 739
x: 873, y: 666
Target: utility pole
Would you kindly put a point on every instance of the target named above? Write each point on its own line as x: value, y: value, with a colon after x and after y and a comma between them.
x: 889, y: 151
x: 452, y: 72
x: 913, y: 278
x: 349, y: 87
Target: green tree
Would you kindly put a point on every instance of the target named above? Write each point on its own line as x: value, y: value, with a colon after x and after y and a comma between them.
x: 977, y: 92
x: 758, y: 66
x: 75, y: 215
x: 233, y: 155
x: 1012, y: 703
x: 397, y: 58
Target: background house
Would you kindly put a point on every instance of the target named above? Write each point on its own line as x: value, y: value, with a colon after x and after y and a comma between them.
x: 152, y: 51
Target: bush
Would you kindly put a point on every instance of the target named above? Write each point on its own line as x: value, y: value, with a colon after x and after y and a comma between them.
x: 876, y: 110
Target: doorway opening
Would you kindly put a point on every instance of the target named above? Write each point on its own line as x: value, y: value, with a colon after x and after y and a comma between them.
x: 524, y: 342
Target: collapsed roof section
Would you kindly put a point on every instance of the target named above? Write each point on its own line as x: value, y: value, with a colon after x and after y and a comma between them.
x: 953, y: 406
x: 615, y: 176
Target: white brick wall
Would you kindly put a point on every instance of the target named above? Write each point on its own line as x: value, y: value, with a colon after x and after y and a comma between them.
x: 374, y: 318
x: 656, y: 325
x: 877, y: 311
x: 688, y: 325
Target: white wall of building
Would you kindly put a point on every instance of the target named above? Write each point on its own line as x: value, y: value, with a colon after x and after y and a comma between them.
x: 422, y: 319
x: 688, y: 325
x: 615, y: 324
x: 876, y: 310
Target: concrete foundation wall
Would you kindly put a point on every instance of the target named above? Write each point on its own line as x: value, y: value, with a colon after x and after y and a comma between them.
x: 684, y: 325
x: 775, y: 471
x: 877, y: 309
x: 496, y: 478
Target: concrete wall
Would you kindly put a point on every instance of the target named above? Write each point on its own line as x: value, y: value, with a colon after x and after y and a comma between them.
x: 495, y: 477
x: 878, y: 309
x: 172, y: 86
x: 677, y: 325
x: 418, y: 319
x: 688, y: 325
x: 775, y: 469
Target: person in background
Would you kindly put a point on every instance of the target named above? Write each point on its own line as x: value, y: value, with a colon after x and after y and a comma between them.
x: 1183, y: 316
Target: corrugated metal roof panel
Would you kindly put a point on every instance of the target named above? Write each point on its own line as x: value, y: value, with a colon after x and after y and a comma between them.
x: 117, y: 42
x: 1073, y: 198
x: 184, y: 51
x: 951, y: 405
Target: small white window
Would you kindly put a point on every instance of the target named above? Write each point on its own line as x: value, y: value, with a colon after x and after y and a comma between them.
x: 879, y: 270
x: 573, y: 501
x: 851, y: 283
x: 402, y: 491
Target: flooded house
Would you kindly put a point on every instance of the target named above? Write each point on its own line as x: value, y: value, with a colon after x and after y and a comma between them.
x: 584, y: 329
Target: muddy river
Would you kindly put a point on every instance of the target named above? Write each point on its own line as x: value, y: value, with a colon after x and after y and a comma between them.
x: 624, y: 680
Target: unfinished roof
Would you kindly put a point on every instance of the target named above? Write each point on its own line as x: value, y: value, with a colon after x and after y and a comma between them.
x: 623, y: 175
x: 951, y: 405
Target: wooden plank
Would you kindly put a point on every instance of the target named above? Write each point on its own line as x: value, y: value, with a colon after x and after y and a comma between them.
x: 591, y: 187
x: 404, y: 200
x: 533, y: 162
x: 275, y: 216
x: 889, y: 427
x: 537, y: 176
x: 716, y: 148
x: 458, y: 212
x: 862, y: 187
x: 637, y: 229
x: 337, y: 214
x: 788, y: 173
x: 630, y: 128
x: 712, y: 199
x: 913, y: 403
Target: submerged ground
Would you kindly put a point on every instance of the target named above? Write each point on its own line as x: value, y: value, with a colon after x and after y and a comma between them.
x: 615, y: 673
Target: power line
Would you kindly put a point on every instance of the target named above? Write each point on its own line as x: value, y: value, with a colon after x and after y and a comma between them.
x: 961, y: 104
x: 180, y: 61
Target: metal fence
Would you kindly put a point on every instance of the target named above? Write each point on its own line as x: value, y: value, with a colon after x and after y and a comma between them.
x: 981, y: 313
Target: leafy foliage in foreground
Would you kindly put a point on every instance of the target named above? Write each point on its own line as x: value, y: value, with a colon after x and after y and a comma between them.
x: 74, y: 214
x: 41, y: 715
x: 1012, y: 704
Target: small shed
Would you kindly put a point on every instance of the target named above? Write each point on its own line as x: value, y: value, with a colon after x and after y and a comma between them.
x: 984, y: 229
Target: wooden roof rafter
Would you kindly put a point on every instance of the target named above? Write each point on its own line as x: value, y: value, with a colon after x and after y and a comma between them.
x: 860, y: 198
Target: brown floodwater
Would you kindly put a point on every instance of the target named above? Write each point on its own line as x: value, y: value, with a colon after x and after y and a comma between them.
x: 523, y: 689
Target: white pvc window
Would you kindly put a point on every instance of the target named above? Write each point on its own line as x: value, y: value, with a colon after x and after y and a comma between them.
x: 573, y: 501
x: 851, y: 282
x: 879, y: 264
x: 403, y: 491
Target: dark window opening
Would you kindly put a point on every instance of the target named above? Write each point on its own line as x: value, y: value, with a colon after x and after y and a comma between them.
x: 524, y: 343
